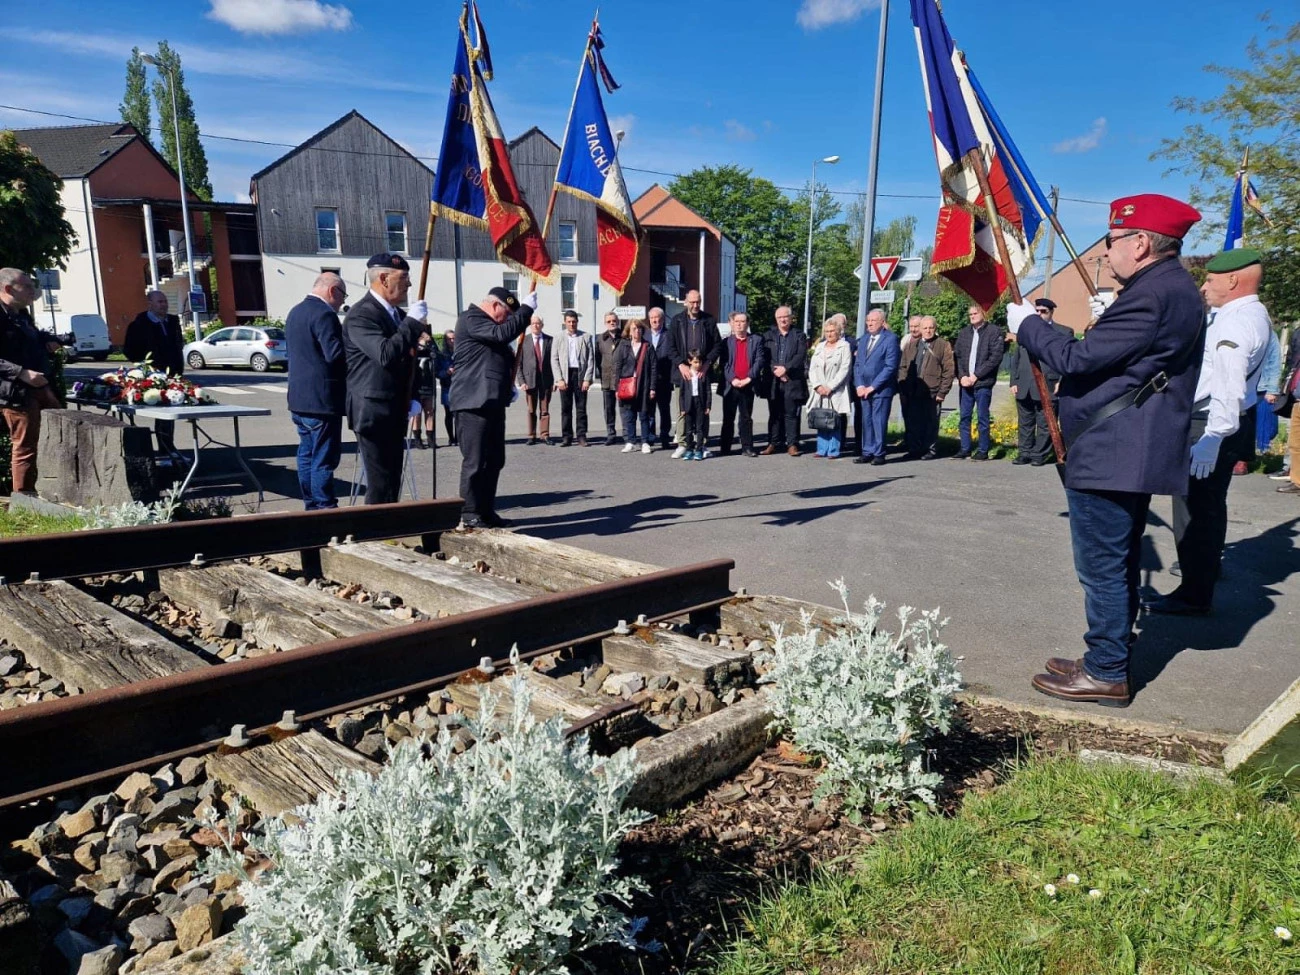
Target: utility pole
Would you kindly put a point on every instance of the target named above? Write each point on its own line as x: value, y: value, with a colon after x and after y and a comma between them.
x: 869, y: 216
x: 1055, y: 196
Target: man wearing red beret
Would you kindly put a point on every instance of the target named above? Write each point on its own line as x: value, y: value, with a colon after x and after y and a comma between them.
x: 1126, y: 403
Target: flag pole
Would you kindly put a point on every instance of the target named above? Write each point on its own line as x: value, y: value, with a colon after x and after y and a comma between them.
x: 976, y: 159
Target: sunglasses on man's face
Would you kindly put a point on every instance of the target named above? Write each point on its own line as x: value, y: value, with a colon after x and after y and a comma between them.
x: 1111, y: 240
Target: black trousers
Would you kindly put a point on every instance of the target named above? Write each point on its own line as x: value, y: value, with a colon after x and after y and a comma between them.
x: 921, y: 420
x: 737, y: 400
x: 661, y: 412
x: 697, y: 426
x: 382, y: 452
x: 573, y: 399
x: 483, y: 455
x: 782, y: 416
x: 1201, y: 518
x: 1032, y: 438
x: 610, y: 396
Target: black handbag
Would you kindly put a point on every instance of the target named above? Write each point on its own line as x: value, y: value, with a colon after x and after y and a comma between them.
x: 823, y: 419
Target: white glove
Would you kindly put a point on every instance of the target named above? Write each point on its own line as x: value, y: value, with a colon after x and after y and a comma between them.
x: 1017, y: 314
x: 530, y: 300
x: 1098, y: 304
x: 418, y: 310
x: 1204, y: 454
x: 416, y: 408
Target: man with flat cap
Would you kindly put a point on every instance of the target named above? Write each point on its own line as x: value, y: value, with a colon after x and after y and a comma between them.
x: 1126, y: 403
x: 378, y: 340
x: 1032, y: 438
x: 485, y: 366
x: 1223, y: 424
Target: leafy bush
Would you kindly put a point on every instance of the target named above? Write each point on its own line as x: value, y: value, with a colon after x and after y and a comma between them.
x: 865, y: 701
x: 499, y: 861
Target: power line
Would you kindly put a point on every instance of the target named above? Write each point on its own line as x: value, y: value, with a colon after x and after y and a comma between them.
x: 433, y: 160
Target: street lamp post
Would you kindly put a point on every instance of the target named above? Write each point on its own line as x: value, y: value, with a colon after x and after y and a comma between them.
x: 180, y: 173
x: 812, y: 210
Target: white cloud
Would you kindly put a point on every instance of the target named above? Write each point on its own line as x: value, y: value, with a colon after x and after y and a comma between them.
x: 1087, y: 142
x: 280, y: 16
x: 738, y: 132
x: 816, y: 14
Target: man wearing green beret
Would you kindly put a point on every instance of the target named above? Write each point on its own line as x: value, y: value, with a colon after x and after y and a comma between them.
x: 1223, y: 424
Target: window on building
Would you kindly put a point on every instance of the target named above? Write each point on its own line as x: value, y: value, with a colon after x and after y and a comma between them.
x: 395, y: 227
x: 568, y: 291
x: 568, y: 241
x: 510, y: 281
x: 327, y: 230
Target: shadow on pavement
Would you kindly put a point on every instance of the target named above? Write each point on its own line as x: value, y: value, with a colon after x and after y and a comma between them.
x: 1253, y: 570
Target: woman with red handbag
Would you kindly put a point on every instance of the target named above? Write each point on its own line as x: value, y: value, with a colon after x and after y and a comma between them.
x: 634, y: 365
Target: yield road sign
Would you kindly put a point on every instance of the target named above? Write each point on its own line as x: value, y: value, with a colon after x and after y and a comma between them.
x: 882, y: 268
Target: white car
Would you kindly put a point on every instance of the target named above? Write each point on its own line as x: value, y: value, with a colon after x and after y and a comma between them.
x: 258, y: 348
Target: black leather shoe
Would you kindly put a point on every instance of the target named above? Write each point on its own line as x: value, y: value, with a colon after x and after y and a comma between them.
x: 1173, y: 605
x: 472, y: 521
x: 862, y: 460
x: 1021, y: 460
x: 878, y: 460
x: 566, y: 442
x: 1079, y: 686
x: 930, y: 455
x: 1039, y: 462
x: 749, y: 453
x: 961, y: 455
x: 494, y: 520
x: 979, y: 455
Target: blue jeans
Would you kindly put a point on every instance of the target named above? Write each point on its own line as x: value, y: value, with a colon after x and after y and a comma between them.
x: 979, y: 401
x: 320, y: 443
x: 828, y: 443
x: 631, y: 417
x: 1106, y: 529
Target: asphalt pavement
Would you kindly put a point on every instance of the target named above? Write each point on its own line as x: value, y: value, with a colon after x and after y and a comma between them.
x: 987, y: 543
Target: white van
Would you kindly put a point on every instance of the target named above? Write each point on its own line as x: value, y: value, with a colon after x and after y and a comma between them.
x: 90, y: 334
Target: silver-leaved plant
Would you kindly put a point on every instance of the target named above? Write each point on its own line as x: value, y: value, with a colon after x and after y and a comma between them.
x: 865, y: 701
x: 499, y: 861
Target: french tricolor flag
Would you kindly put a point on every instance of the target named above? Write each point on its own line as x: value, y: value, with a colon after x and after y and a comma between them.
x: 589, y: 170
x: 962, y: 122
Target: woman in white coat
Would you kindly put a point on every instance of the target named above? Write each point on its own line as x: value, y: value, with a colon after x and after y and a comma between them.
x: 828, y: 379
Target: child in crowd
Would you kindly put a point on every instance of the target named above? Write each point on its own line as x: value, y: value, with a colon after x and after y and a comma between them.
x: 696, y: 400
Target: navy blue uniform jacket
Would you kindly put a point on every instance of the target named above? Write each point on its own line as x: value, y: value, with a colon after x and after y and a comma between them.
x: 485, y: 358
x: 378, y: 351
x: 319, y: 379
x: 1156, y: 324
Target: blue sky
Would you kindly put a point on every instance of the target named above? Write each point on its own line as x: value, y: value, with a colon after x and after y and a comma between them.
x: 1084, y: 89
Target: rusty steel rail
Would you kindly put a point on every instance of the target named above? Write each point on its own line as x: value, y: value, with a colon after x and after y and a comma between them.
x: 71, y: 555
x: 81, y: 740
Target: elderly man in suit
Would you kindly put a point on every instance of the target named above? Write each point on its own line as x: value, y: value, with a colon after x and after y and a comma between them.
x: 875, y: 378
x: 926, y: 371
x: 1031, y: 421
x: 787, y: 356
x: 537, y: 379
x: 485, y: 357
x: 744, y: 360
x: 1126, y: 415
x: 661, y: 340
x: 378, y: 340
x: 573, y: 363
x: 317, y: 387
x: 978, y: 356
x: 155, y: 335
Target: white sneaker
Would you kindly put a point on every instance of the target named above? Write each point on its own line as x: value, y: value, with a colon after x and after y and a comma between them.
x: 646, y: 448
x: 707, y: 454
x: 1283, y: 475
x: 628, y: 448
x: 680, y: 452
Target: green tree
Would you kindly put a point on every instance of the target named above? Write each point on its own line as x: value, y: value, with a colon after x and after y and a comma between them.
x: 762, y: 222
x: 1259, y: 110
x: 135, y: 102
x: 196, y: 160
x: 33, y: 233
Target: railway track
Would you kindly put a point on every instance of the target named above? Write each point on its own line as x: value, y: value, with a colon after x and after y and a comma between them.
x: 104, y: 733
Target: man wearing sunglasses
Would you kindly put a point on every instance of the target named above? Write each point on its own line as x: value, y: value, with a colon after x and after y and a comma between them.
x: 317, y: 386
x: 1126, y: 404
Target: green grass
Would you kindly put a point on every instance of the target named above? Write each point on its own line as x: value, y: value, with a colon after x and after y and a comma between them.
x: 23, y: 521
x: 1193, y: 879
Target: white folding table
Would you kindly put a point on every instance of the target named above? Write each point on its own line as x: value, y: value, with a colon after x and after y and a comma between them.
x: 196, y: 415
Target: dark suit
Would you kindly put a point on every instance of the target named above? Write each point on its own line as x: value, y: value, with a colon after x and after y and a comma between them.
x: 378, y: 348
x: 876, y: 365
x: 665, y: 370
x: 786, y: 395
x: 160, y: 344
x: 989, y: 346
x: 1113, y: 467
x: 485, y: 360
x: 739, y: 399
x: 1032, y: 437
x: 698, y: 335
x: 317, y: 396
x: 538, y: 380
